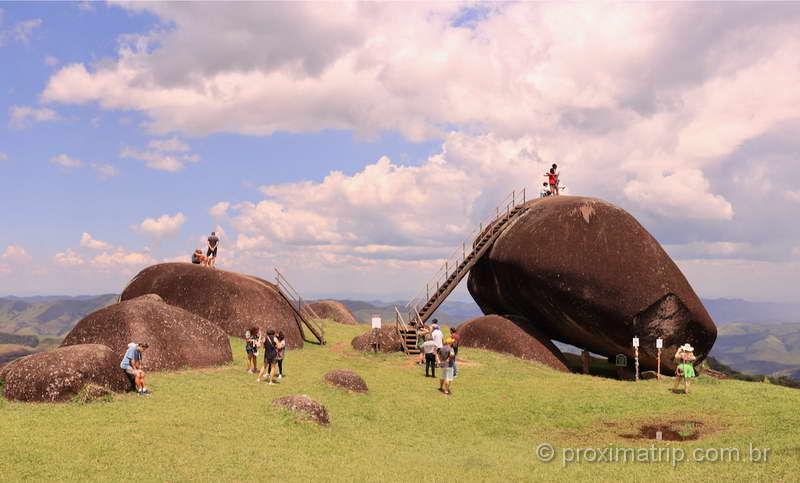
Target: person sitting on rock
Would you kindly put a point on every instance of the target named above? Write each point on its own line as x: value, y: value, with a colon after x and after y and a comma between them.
x: 211, y: 253
x: 132, y: 365
x: 270, y: 356
x: 251, y: 348
x: 445, y: 358
x: 198, y: 258
x: 545, y: 191
x: 685, y: 370
x: 280, y: 345
x: 428, y: 349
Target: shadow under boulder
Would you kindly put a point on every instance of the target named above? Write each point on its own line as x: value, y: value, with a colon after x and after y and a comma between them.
x: 348, y: 380
x: 333, y: 310
x: 177, y: 338
x: 61, y: 374
x: 233, y: 301
x: 387, y: 338
x: 313, y: 410
x: 499, y: 334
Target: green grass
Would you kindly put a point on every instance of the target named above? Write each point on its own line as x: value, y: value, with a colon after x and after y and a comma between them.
x: 219, y: 425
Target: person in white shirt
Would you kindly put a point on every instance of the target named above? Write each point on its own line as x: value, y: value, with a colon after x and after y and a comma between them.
x: 437, y: 336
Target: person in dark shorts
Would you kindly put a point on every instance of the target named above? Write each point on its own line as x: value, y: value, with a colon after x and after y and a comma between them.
x: 281, y: 347
x: 211, y: 253
x: 251, y: 348
x: 132, y: 365
x: 270, y: 358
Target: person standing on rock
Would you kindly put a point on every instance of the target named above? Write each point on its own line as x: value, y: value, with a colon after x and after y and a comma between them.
x: 270, y: 357
x: 552, y: 180
x: 251, y: 348
x: 685, y: 370
x: 211, y: 253
x: 280, y: 345
x: 428, y: 348
x: 445, y: 358
x: 132, y: 365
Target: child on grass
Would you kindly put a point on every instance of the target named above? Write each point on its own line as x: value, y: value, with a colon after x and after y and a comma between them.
x: 685, y: 370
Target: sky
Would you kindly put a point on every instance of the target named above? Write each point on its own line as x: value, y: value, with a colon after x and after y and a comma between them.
x: 354, y: 145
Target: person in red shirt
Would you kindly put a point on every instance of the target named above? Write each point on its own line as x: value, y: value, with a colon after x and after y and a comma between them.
x: 552, y: 179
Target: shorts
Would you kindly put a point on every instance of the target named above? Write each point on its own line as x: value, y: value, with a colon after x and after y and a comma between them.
x: 211, y: 253
x: 133, y: 372
x: 446, y: 374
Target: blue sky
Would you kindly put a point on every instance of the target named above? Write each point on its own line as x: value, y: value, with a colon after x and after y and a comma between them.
x: 355, y: 160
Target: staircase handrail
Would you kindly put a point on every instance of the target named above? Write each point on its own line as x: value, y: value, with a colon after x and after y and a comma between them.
x: 296, y: 301
x: 460, y: 253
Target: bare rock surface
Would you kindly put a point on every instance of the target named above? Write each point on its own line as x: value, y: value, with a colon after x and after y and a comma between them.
x: 499, y: 334
x: 61, y: 374
x: 387, y: 337
x: 177, y: 338
x: 585, y: 272
x: 345, y: 379
x: 233, y: 301
x: 313, y: 410
x: 333, y: 310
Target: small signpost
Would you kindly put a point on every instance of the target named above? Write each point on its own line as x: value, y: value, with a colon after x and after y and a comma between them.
x: 636, y: 355
x: 659, y: 345
x: 621, y: 361
x: 376, y: 330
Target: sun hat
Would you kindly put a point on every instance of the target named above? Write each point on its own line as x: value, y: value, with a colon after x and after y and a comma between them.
x: 687, y: 348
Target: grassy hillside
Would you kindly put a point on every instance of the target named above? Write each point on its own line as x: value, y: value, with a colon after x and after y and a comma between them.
x: 772, y: 349
x: 219, y: 425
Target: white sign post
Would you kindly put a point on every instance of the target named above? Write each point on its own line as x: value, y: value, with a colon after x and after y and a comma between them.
x: 636, y: 355
x: 376, y: 329
x: 659, y: 345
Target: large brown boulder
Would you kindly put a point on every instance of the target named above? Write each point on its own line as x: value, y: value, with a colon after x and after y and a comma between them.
x: 61, y: 374
x: 387, y: 337
x: 586, y: 273
x: 499, y: 334
x: 177, y: 338
x: 333, y: 310
x: 233, y: 301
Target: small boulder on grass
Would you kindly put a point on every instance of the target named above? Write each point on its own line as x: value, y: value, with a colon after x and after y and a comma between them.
x: 301, y: 403
x: 348, y: 380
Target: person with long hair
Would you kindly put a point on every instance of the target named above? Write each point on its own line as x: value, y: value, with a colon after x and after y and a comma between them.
x: 251, y: 348
x: 270, y: 356
x: 280, y: 345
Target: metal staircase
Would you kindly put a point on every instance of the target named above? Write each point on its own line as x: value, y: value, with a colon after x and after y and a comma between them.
x: 304, y: 313
x: 456, y: 267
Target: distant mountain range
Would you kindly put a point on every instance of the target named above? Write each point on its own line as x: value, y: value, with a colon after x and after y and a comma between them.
x: 49, y: 316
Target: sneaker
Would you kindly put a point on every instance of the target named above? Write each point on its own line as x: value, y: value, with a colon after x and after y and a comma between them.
x: 147, y: 392
x: 258, y: 380
x: 271, y: 383
x: 280, y: 376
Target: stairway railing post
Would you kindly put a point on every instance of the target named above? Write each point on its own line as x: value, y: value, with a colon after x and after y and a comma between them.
x: 427, y: 291
x: 513, y: 199
x: 523, y: 195
x: 463, y: 251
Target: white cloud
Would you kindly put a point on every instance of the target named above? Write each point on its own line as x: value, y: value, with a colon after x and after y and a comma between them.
x: 792, y: 195
x: 15, y: 254
x: 169, y: 145
x: 120, y: 258
x: 88, y: 242
x: 165, y: 226
x: 51, y: 61
x: 160, y: 160
x: 65, y: 161
x: 684, y: 193
x: 24, y: 30
x: 68, y: 258
x: 105, y: 171
x: 219, y: 210
x: 25, y: 116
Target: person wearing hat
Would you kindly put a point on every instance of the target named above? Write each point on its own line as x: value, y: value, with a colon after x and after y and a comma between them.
x: 436, y: 335
x: 685, y: 370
